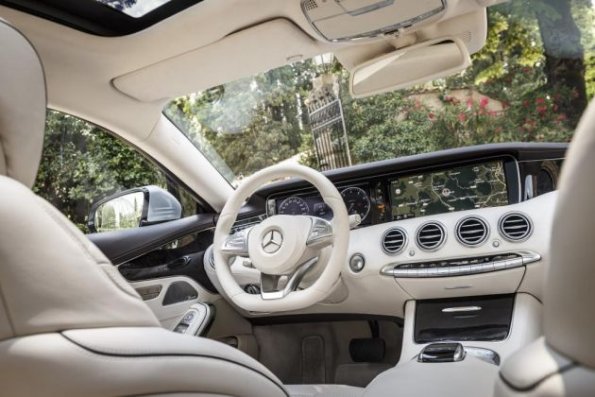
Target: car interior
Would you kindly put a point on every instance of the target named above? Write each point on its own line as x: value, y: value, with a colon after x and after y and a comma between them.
x: 289, y: 198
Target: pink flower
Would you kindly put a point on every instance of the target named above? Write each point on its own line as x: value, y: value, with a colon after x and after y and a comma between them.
x: 539, y: 100
x: 469, y: 103
x: 462, y: 117
x: 484, y: 102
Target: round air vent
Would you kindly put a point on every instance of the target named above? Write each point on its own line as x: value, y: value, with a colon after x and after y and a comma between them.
x: 515, y: 227
x: 394, y: 240
x: 472, y: 231
x: 431, y: 236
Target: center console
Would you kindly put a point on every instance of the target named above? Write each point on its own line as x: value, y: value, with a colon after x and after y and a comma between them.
x: 485, y: 318
x: 454, y: 347
x: 501, y: 323
x: 469, y: 376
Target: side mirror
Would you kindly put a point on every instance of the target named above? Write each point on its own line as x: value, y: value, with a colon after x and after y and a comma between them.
x: 406, y: 67
x: 132, y: 208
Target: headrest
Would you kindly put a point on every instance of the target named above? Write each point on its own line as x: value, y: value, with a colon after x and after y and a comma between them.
x: 22, y: 106
x: 570, y: 284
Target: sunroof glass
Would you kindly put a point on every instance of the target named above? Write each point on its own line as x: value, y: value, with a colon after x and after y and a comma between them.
x: 134, y: 8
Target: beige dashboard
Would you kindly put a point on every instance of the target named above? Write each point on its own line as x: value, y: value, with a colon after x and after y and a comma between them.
x: 374, y: 292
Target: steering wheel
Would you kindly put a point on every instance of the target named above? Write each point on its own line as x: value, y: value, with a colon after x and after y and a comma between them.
x: 284, y: 248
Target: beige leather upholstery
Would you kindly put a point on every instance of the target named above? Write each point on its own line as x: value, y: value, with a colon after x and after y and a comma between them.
x: 562, y: 363
x: 470, y: 377
x: 324, y: 390
x: 70, y: 325
x: 22, y: 106
x: 51, y: 277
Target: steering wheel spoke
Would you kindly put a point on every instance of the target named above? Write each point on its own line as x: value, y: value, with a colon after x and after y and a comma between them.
x: 320, y: 234
x: 236, y: 244
x: 269, y: 284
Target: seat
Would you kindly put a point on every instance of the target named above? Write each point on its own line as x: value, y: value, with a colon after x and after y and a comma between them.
x: 562, y: 362
x: 70, y: 325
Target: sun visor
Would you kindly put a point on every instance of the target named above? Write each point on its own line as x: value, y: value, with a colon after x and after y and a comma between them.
x: 241, y: 54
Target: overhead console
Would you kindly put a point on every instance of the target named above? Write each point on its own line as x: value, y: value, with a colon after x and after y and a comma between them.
x: 343, y: 20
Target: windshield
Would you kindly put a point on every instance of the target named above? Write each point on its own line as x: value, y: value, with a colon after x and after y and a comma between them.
x: 530, y: 83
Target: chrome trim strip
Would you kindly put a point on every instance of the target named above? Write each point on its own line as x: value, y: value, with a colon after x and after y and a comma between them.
x: 525, y: 258
x: 461, y: 309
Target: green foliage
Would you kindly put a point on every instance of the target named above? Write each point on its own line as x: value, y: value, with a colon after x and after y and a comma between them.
x: 259, y: 121
x: 251, y: 123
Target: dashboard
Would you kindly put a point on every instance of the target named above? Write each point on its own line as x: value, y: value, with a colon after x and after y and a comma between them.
x: 481, y: 177
x: 454, y: 224
x: 458, y: 223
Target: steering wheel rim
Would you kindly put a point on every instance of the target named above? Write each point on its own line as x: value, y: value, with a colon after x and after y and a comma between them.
x: 299, y: 299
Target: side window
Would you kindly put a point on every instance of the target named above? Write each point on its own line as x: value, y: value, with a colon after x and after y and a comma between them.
x: 83, y: 164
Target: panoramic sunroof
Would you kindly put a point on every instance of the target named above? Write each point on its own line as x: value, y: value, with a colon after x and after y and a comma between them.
x: 134, y: 8
x: 103, y: 17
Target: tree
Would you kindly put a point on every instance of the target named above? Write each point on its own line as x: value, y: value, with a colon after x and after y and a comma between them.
x: 564, y: 54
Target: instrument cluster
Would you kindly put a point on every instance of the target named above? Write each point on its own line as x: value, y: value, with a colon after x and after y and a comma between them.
x: 357, y: 200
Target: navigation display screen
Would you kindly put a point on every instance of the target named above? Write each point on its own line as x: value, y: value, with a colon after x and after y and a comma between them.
x: 456, y: 189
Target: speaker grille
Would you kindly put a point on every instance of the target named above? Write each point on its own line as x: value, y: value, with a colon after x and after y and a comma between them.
x: 309, y: 5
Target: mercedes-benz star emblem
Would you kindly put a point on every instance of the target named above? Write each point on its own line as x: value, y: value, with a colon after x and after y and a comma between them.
x: 271, y: 242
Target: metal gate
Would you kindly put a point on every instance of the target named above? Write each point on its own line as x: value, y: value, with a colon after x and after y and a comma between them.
x: 328, y: 125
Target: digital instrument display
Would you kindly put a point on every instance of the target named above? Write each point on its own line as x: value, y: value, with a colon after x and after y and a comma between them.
x: 460, y: 188
x: 357, y: 201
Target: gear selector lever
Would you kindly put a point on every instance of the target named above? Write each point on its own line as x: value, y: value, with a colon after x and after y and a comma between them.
x: 441, y: 353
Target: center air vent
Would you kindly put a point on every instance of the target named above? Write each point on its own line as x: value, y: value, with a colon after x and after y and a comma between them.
x: 394, y: 240
x: 472, y: 231
x: 431, y: 236
x: 515, y: 227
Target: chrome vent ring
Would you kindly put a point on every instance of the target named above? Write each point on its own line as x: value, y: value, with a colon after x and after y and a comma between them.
x: 394, y: 240
x: 515, y: 227
x: 472, y: 231
x: 430, y: 236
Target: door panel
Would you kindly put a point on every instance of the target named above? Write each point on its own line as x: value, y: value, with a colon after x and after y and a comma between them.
x: 124, y: 245
x: 169, y: 314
